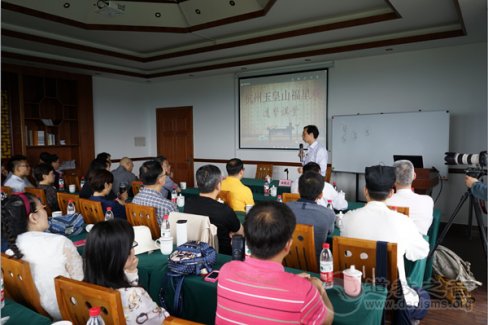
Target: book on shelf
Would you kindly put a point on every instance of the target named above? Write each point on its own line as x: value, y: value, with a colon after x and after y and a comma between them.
x: 40, y: 138
x: 50, y: 139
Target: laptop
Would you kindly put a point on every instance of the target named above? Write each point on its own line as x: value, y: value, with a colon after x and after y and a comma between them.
x: 417, y: 161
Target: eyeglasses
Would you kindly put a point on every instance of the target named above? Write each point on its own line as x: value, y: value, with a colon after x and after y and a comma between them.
x: 135, y: 244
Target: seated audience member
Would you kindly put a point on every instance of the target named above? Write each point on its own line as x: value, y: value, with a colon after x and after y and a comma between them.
x: 123, y: 175
x: 421, y: 207
x: 206, y: 204
x: 308, y: 212
x: 241, y: 195
x: 105, y: 156
x: 258, y: 290
x: 101, y: 185
x: 53, y: 160
x: 153, y: 178
x: 44, y: 175
x: 169, y: 185
x: 375, y: 221
x: 20, y: 169
x: 95, y: 165
x: 478, y: 189
x: 328, y: 193
x: 114, y: 241
x: 24, y: 224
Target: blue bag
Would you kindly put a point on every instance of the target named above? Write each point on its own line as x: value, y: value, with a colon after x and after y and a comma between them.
x: 69, y: 224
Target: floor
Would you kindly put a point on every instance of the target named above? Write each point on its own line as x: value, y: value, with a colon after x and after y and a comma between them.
x: 469, y: 250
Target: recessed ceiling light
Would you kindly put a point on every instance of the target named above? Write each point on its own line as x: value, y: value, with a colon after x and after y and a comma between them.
x: 197, y: 11
x: 232, y: 3
x: 157, y: 14
x: 66, y: 5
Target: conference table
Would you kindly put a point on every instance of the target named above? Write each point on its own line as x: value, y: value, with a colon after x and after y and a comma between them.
x: 19, y: 314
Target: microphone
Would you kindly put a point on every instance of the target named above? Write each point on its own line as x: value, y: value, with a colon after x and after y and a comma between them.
x: 301, y: 153
x: 286, y: 171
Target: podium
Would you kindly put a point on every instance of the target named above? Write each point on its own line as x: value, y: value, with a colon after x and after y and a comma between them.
x: 425, y: 181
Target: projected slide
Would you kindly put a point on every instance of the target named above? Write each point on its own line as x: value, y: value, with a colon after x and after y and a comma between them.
x: 273, y: 109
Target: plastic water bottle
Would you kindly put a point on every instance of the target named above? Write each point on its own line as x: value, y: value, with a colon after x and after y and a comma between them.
x: 82, y: 182
x: 329, y: 205
x: 109, y: 215
x: 95, y: 317
x: 174, y: 195
x: 61, y: 184
x: 339, y: 220
x: 165, y: 228
x: 266, y: 188
x: 70, y: 208
x: 326, y: 266
x: 280, y: 199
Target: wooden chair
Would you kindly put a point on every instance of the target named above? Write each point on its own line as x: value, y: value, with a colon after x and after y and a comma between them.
x: 136, y: 186
x: 403, y: 210
x: 362, y: 254
x: 328, y: 173
x: 63, y: 199
x: 75, y: 298
x: 19, y: 284
x: 302, y: 252
x: 7, y: 190
x: 92, y: 211
x: 263, y: 170
x: 224, y: 196
x: 290, y: 197
x: 141, y: 215
x: 41, y: 195
x: 72, y: 178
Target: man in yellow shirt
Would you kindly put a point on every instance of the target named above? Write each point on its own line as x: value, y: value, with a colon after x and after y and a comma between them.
x: 240, y: 194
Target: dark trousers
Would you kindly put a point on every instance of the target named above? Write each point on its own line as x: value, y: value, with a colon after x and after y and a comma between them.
x: 404, y: 315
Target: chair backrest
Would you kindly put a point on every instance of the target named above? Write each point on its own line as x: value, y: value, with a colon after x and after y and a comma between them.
x: 403, y: 210
x: 7, y: 190
x: 328, y: 173
x: 142, y: 215
x: 302, y: 252
x: 19, y: 283
x: 75, y: 298
x: 263, y: 170
x: 92, y: 211
x: 72, y: 178
x: 198, y: 228
x: 224, y: 196
x: 136, y: 186
x: 362, y: 254
x: 63, y: 199
x: 41, y: 195
x: 289, y: 197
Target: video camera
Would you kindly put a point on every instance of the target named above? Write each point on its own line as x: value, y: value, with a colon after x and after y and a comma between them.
x: 477, y: 161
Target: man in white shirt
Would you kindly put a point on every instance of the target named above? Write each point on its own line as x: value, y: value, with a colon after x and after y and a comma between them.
x: 421, y: 207
x: 375, y: 221
x: 328, y: 193
x: 20, y: 169
x: 316, y: 151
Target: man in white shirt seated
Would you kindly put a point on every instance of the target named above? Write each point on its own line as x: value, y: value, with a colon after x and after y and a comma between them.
x: 20, y: 169
x: 328, y: 193
x: 421, y: 207
x: 375, y: 221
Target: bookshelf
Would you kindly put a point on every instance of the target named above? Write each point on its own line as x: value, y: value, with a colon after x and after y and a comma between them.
x: 51, y: 111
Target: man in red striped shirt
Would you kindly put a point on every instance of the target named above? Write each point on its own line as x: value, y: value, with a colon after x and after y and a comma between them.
x: 258, y: 290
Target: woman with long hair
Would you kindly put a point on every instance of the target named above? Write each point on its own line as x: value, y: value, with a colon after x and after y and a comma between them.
x: 110, y: 261
x: 24, y: 222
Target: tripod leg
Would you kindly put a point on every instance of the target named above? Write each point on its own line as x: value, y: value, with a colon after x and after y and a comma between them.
x: 449, y: 223
x: 470, y: 217
x: 481, y: 226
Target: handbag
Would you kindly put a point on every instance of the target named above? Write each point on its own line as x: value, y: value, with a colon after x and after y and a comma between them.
x: 68, y: 224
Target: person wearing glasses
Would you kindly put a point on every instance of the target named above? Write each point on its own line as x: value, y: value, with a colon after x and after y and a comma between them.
x: 114, y: 241
x: 24, y: 225
x: 20, y: 169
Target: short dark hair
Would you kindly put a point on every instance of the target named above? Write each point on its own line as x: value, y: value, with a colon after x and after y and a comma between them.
x: 310, y: 185
x: 14, y: 161
x: 268, y: 227
x: 41, y: 170
x: 311, y: 166
x: 104, y: 156
x: 312, y: 129
x: 379, y: 181
x: 149, y: 172
x: 97, y: 182
x: 160, y: 159
x: 48, y: 158
x: 234, y: 166
x: 107, y: 249
x: 208, y: 176
x: 95, y: 165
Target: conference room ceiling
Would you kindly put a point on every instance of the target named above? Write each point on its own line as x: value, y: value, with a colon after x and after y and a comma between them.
x: 156, y: 39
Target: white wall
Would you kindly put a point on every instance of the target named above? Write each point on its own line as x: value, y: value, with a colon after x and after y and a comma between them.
x: 451, y: 78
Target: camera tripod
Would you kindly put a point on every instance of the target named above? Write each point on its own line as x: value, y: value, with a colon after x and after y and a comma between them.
x: 473, y: 205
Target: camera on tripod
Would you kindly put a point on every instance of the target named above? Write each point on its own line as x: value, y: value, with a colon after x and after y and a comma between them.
x: 477, y: 161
